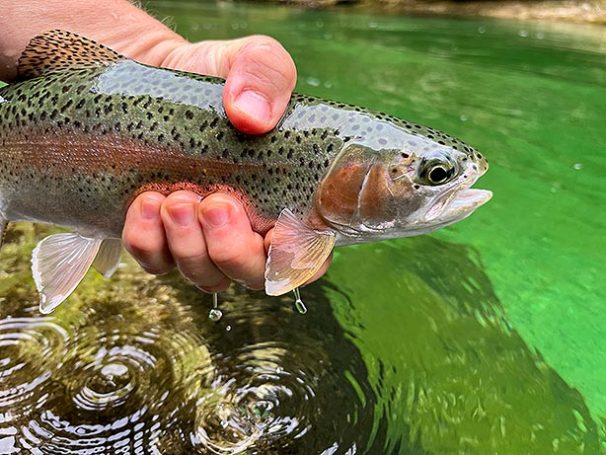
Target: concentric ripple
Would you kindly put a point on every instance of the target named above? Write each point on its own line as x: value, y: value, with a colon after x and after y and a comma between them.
x: 279, y: 384
x: 31, y: 350
x: 136, y: 366
x: 259, y: 404
x: 119, y: 393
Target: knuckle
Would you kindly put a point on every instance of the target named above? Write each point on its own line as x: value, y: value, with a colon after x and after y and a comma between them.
x: 137, y: 246
x: 260, y: 40
x: 181, y: 196
x: 194, y: 267
x: 227, y: 258
x: 267, y: 62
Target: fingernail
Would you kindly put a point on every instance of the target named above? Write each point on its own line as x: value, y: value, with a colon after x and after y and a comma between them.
x: 254, y: 104
x: 217, y: 216
x: 150, y: 208
x: 182, y: 214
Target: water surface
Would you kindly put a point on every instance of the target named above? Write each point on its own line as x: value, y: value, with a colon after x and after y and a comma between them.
x: 486, y: 337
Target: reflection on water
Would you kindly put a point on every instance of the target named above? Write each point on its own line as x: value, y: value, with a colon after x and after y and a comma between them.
x: 140, y: 367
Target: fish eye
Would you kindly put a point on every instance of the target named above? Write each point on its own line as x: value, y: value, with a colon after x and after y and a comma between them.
x: 436, y: 172
x: 438, y: 175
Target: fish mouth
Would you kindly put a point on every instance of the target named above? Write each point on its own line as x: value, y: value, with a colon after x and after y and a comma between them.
x: 460, y: 205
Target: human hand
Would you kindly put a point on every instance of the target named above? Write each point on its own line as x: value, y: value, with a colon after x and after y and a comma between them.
x: 211, y: 241
x: 260, y: 77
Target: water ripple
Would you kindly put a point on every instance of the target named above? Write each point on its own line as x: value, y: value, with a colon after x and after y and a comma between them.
x: 140, y: 368
x: 30, y: 350
x: 115, y: 391
x: 262, y: 402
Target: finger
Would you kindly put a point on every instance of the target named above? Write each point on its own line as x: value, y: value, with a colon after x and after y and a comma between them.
x: 321, y: 271
x: 186, y: 242
x: 259, y: 83
x: 143, y: 234
x: 231, y: 243
x: 260, y: 77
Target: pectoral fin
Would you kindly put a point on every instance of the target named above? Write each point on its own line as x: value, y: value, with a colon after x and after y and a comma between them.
x: 108, y: 257
x: 296, y: 253
x: 59, y: 262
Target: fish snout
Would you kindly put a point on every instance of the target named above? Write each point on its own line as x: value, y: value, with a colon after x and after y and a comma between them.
x: 481, y: 162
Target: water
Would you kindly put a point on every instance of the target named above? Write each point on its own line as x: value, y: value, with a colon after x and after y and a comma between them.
x: 486, y: 337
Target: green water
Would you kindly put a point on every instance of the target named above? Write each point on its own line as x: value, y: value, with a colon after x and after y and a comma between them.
x: 483, y: 338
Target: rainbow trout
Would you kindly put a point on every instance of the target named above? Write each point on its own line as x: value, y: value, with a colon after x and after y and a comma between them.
x: 85, y: 130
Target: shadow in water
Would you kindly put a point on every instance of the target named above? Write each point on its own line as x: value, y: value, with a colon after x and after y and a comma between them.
x: 404, y: 349
x: 443, y: 359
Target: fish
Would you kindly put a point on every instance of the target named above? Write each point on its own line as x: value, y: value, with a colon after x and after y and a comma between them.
x: 84, y: 130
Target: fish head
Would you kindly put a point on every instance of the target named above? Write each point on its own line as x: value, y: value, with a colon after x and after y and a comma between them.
x: 370, y: 194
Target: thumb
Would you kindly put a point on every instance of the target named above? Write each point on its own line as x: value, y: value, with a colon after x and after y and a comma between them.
x: 259, y: 83
x: 260, y: 76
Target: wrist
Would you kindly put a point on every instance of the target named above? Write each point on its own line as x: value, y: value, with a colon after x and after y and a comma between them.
x: 116, y: 23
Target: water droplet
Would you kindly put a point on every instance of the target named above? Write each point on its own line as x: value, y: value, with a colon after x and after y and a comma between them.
x: 314, y: 82
x: 463, y: 117
x: 481, y: 29
x: 112, y: 370
x: 299, y: 305
x: 578, y: 166
x: 523, y: 34
x: 228, y: 328
x: 215, y: 314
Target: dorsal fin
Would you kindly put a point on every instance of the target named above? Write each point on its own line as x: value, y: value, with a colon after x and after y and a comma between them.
x: 59, y: 50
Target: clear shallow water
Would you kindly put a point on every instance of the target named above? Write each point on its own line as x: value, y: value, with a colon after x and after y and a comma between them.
x: 483, y: 338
